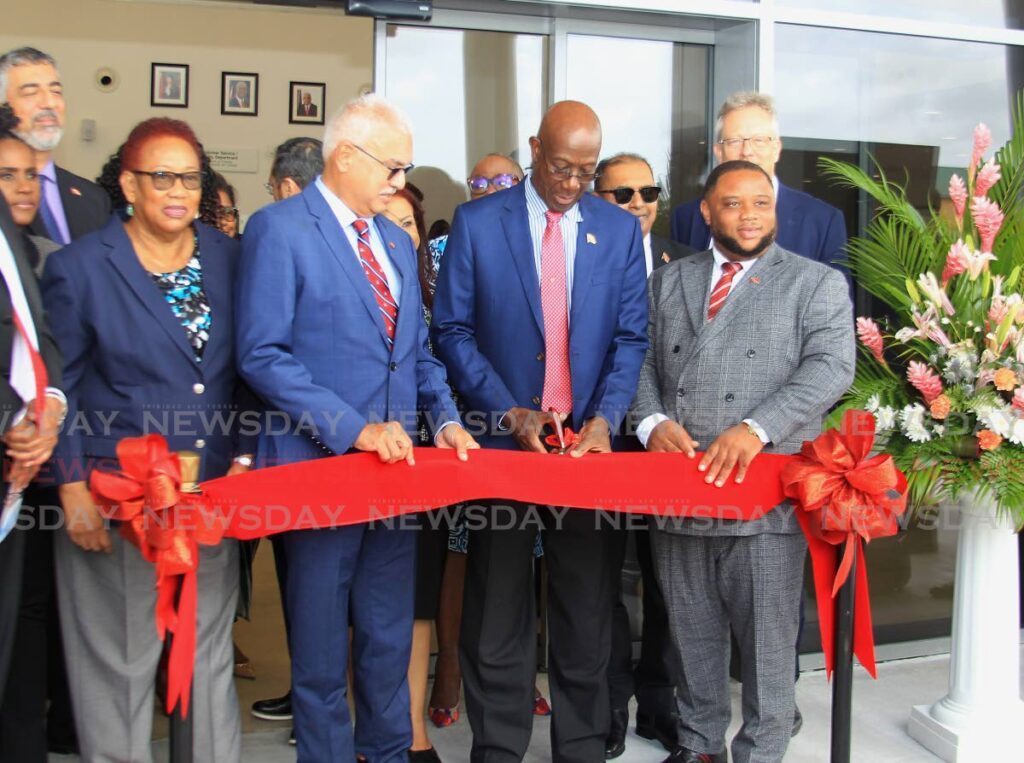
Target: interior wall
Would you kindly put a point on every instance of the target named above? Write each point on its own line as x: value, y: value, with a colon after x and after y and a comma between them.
x: 281, y: 45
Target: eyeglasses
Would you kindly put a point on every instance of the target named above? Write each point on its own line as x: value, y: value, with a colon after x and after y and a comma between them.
x: 648, y: 193
x: 269, y: 187
x: 479, y: 183
x: 163, y: 181
x: 758, y: 142
x: 565, y: 174
x: 227, y: 212
x: 392, y: 171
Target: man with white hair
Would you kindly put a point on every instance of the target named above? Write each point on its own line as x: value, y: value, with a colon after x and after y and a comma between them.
x: 330, y: 334
x: 70, y: 206
x: 748, y: 128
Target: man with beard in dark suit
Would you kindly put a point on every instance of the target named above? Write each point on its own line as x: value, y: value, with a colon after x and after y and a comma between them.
x: 627, y: 180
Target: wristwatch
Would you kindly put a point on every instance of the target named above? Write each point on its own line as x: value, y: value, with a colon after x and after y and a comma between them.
x: 245, y: 461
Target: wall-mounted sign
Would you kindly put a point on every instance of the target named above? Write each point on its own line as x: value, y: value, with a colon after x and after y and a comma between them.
x: 234, y: 159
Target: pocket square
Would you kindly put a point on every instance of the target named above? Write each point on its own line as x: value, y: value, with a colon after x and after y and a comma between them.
x: 591, y: 238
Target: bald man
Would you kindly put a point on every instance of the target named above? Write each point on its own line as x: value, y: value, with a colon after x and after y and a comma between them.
x: 493, y: 173
x: 532, y: 277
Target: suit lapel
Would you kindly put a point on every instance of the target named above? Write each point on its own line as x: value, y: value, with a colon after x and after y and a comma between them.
x: 216, y: 285
x: 409, y: 311
x: 515, y: 222
x: 588, y: 236
x: 338, y: 244
x: 772, y: 263
x: 694, y: 276
x: 122, y: 257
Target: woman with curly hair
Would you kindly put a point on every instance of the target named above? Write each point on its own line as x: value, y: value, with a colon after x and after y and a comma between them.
x: 142, y: 311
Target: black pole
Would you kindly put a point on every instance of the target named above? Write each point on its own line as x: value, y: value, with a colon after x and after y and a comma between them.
x: 180, y: 737
x: 842, y: 679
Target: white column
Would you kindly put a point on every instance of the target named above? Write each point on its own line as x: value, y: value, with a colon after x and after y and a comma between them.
x: 982, y: 716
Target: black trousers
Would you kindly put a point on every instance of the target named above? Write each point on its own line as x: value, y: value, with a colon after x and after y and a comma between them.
x: 654, y: 679
x: 12, y: 559
x: 499, y: 636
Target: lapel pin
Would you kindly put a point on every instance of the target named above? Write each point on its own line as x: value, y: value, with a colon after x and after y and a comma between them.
x: 391, y: 244
x: 755, y: 279
x: 74, y: 191
x: 665, y: 257
x: 591, y: 238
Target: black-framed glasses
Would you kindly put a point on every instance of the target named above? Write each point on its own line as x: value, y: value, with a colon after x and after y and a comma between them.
x: 479, y: 183
x: 565, y: 174
x: 392, y: 171
x: 758, y: 142
x: 163, y: 180
x: 229, y: 212
x: 624, y: 195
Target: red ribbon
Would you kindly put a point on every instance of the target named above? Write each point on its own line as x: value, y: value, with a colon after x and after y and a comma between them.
x: 569, y: 439
x: 841, y: 494
x: 167, y: 527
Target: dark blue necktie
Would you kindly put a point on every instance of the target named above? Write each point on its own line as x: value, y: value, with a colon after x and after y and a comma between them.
x: 49, y: 221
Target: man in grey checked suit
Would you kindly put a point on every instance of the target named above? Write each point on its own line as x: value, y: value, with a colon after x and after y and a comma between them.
x: 749, y: 347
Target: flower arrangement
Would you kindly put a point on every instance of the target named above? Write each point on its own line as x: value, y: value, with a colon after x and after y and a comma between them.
x: 943, y: 373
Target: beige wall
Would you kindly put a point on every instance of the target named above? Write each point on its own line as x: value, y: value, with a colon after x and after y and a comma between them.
x: 280, y: 45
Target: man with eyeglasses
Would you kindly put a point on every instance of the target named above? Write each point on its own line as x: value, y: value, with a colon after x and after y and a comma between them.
x: 70, y: 206
x: 330, y: 333
x: 540, y: 317
x: 628, y: 181
x: 748, y: 128
x: 493, y: 173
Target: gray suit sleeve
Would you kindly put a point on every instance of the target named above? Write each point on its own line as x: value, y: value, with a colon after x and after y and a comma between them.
x: 648, y: 394
x: 827, y: 359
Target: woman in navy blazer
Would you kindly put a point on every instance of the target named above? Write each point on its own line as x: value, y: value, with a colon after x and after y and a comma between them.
x: 142, y: 310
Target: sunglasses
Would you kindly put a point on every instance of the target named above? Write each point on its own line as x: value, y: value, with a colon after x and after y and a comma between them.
x: 229, y: 212
x: 648, y: 193
x: 479, y: 183
x: 393, y: 172
x: 163, y: 181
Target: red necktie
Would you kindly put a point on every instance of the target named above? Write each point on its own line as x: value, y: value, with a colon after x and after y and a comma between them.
x: 38, y: 367
x: 378, y: 280
x: 721, y: 290
x: 557, y: 394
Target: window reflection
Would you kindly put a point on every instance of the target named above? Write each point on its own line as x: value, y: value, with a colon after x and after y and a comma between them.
x: 995, y: 13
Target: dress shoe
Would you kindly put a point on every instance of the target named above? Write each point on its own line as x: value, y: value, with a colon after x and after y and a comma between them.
x: 615, y: 744
x: 62, y: 746
x: 428, y: 755
x: 274, y: 709
x: 291, y: 737
x: 685, y: 755
x: 664, y: 727
x: 798, y: 723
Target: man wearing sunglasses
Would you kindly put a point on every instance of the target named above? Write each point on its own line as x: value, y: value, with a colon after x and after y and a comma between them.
x: 748, y: 128
x: 628, y: 181
x: 493, y: 173
x: 540, y: 317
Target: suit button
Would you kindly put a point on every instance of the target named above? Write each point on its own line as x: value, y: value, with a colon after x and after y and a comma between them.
x: 729, y: 397
x: 751, y: 353
x: 393, y: 366
x: 200, y: 444
x: 681, y: 392
x: 535, y: 400
x: 540, y: 356
x: 199, y: 388
x: 676, y: 348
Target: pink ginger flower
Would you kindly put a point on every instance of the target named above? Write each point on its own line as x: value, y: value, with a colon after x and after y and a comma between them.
x: 924, y: 380
x: 988, y: 176
x: 988, y: 218
x: 1018, y: 398
x: 958, y: 195
x: 956, y: 261
x: 982, y: 140
x: 871, y: 337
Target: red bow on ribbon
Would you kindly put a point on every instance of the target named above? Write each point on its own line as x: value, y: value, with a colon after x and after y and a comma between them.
x: 843, y: 495
x: 167, y: 527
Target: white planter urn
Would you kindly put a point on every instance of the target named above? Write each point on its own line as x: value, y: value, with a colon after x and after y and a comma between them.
x: 982, y: 716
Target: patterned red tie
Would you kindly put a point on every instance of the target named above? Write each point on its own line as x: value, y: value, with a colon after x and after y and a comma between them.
x: 721, y: 290
x: 378, y: 280
x: 557, y: 394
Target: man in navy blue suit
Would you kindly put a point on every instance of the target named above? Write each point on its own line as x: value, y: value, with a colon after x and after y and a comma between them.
x: 540, y: 316
x: 748, y: 128
x: 330, y: 333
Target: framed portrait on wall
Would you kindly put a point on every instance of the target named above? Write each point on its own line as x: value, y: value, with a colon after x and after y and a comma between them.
x: 239, y: 93
x: 306, y: 102
x: 169, y: 85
